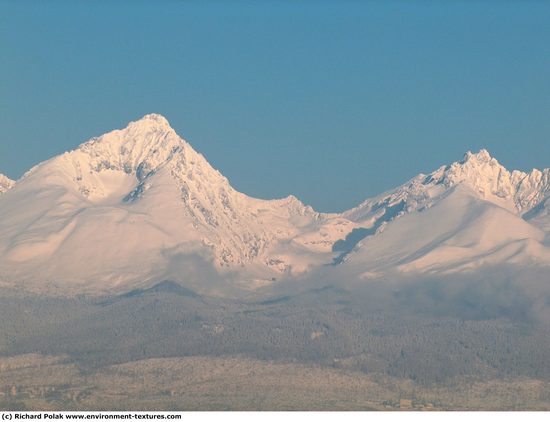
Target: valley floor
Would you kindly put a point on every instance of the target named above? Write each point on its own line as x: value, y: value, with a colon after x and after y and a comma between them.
x: 37, y: 382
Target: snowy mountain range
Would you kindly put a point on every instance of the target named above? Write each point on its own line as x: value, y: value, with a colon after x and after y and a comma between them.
x: 140, y: 205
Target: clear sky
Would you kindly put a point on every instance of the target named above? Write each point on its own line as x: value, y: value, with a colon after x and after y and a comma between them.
x: 332, y: 101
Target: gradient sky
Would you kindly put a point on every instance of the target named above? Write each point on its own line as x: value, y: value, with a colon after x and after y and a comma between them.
x: 332, y: 101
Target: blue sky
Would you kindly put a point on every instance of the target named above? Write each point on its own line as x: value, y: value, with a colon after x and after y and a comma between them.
x: 332, y: 101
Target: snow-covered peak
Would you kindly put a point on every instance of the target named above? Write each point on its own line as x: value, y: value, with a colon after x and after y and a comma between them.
x: 479, y: 171
x: 104, y: 165
x: 146, y: 185
x: 152, y: 134
x: 515, y: 190
x: 5, y: 184
x: 155, y: 117
x: 152, y: 121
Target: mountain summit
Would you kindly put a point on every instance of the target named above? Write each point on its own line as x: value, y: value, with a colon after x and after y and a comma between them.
x: 139, y: 205
x: 514, y: 190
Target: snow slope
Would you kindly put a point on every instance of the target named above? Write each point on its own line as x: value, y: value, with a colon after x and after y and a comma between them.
x: 459, y: 232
